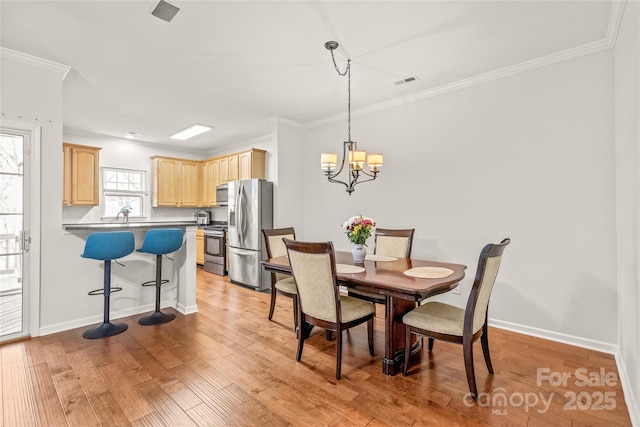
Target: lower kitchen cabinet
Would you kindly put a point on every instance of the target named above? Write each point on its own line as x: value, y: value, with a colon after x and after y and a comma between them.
x: 200, y: 246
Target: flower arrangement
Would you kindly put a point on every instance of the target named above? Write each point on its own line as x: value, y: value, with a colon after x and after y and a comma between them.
x: 358, y: 229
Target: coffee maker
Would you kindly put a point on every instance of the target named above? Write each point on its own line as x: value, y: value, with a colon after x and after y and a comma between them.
x: 203, y: 217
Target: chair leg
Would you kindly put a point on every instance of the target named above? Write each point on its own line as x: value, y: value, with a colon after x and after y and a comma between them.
x: 273, y: 302
x: 301, y: 338
x: 407, y: 349
x: 338, y: 352
x: 467, y: 350
x: 157, y: 317
x: 430, y: 344
x: 107, y: 328
x: 370, y: 336
x: 484, y: 340
x: 295, y: 313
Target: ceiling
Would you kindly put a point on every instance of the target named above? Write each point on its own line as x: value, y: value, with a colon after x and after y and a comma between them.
x: 234, y: 65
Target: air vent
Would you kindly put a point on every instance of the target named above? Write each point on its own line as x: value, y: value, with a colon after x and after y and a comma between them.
x: 165, y: 11
x: 407, y: 80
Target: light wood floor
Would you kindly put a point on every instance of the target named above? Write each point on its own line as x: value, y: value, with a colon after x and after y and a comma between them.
x: 229, y: 365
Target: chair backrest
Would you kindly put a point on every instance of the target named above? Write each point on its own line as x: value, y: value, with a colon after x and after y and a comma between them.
x: 108, y: 245
x: 478, y: 302
x: 160, y: 241
x: 313, y: 266
x: 396, y: 243
x: 275, y: 246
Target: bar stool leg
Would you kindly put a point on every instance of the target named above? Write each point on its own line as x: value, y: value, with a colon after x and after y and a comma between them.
x: 158, y: 317
x: 107, y: 329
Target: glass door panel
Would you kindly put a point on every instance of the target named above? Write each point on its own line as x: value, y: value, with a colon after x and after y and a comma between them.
x: 11, y: 234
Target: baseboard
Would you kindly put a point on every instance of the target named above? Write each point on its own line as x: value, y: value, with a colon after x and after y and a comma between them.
x: 604, y: 347
x: 187, y: 309
x: 93, y: 320
x: 629, y: 397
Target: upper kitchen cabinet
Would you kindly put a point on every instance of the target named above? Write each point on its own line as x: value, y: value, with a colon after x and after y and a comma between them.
x: 210, y: 180
x: 251, y: 164
x: 233, y: 167
x: 80, y: 175
x: 224, y: 170
x: 175, y: 182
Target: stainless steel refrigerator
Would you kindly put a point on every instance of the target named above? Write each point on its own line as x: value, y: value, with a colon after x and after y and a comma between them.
x: 250, y: 210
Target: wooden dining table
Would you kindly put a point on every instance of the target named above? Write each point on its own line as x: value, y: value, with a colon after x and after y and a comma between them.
x: 401, y: 293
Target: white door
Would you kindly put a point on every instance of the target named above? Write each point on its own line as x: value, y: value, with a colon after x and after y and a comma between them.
x: 14, y: 234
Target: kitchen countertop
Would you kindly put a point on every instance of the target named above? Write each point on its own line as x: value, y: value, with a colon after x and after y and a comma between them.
x: 124, y: 226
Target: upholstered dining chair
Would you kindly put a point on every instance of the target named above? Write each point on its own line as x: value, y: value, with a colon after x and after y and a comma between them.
x: 389, y: 242
x: 320, y: 303
x: 280, y: 283
x: 437, y: 320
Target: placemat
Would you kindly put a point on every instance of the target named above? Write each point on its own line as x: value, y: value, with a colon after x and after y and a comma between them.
x: 348, y: 269
x: 428, y: 272
x: 373, y: 257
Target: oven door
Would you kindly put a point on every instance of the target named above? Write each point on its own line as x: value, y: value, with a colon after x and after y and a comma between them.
x: 215, y: 252
x: 214, y: 247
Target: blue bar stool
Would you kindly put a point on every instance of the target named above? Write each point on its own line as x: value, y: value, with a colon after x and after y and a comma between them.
x: 106, y: 246
x: 160, y: 242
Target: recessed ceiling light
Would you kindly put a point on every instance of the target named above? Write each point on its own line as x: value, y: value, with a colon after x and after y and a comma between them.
x: 190, y: 132
x: 165, y: 11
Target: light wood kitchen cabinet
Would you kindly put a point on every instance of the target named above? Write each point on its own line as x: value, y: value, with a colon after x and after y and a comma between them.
x: 175, y: 182
x: 233, y: 167
x: 224, y: 170
x: 200, y: 246
x: 251, y: 164
x: 210, y: 180
x: 81, y: 165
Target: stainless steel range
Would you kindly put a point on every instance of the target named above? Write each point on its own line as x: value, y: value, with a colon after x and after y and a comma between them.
x: 215, y: 248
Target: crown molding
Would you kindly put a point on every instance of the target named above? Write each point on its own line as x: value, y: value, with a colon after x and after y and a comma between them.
x: 35, y: 61
x: 615, y: 18
x: 288, y: 122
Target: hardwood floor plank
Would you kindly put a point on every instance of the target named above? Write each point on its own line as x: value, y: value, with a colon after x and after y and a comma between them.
x: 108, y: 411
x: 74, y: 402
x: 48, y: 410
x: 164, y: 406
x: 17, y: 392
x: 129, y: 400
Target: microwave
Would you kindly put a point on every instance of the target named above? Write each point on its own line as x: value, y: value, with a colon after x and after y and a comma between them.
x: 222, y: 195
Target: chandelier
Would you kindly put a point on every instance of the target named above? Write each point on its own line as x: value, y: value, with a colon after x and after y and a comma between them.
x: 350, y: 153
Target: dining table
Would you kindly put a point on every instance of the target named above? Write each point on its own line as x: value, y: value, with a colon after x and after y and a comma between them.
x: 403, y: 282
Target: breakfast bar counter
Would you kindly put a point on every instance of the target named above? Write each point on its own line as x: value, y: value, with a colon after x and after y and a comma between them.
x: 181, y: 271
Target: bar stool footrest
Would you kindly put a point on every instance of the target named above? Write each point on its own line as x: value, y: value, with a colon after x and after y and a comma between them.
x: 101, y: 291
x: 157, y: 318
x: 105, y: 330
x: 153, y: 282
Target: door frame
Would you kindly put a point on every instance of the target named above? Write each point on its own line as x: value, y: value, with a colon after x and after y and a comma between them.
x: 31, y: 293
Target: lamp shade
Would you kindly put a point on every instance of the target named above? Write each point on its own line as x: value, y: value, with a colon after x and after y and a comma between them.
x: 328, y: 161
x: 375, y: 160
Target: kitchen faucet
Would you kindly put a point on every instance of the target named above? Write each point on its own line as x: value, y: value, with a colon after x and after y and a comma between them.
x: 124, y: 211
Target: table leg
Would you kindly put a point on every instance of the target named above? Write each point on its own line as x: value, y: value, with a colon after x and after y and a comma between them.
x: 394, y: 340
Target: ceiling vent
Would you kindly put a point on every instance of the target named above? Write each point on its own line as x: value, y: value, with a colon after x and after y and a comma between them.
x: 407, y: 80
x: 165, y: 11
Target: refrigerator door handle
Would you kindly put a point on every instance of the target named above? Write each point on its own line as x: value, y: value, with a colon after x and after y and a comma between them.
x: 239, y: 231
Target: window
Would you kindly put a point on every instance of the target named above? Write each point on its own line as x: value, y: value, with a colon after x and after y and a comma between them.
x: 123, y: 187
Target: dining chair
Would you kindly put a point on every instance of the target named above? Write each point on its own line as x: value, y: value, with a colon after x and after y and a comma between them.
x: 320, y: 303
x: 436, y: 320
x: 280, y: 283
x: 389, y: 242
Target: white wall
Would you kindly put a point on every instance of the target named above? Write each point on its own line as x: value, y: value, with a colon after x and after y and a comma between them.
x: 530, y: 157
x: 627, y: 132
x: 32, y: 95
